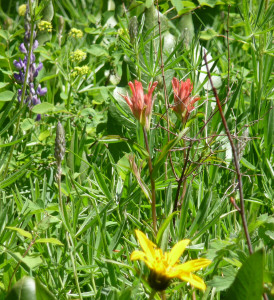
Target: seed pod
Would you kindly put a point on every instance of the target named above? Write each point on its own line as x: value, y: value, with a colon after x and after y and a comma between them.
x: 133, y: 28
x: 60, y: 143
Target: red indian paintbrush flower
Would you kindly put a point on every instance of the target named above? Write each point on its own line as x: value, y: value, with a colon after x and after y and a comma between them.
x: 141, y: 104
x: 184, y: 104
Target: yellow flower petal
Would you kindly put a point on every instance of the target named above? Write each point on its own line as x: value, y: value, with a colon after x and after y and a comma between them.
x: 177, y: 251
x: 194, y: 280
x: 135, y: 255
x: 146, y: 245
x: 193, y: 265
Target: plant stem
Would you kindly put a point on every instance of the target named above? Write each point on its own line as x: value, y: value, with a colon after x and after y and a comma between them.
x: 152, y: 294
x: 235, y: 158
x: 24, y: 85
x: 18, y: 264
x: 153, y: 195
x: 164, y: 84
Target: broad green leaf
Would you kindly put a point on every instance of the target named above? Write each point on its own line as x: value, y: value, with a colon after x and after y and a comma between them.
x: 97, y: 50
x: 42, y: 293
x: 50, y: 241
x: 6, y: 96
x: 24, y: 289
x: 21, y: 232
x: 248, y: 283
x: 43, y: 108
x: 43, y: 135
x: 27, y: 124
x: 3, y: 84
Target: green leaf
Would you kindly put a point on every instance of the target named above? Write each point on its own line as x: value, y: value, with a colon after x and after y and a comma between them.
x: 43, y: 108
x: 21, y: 232
x: 165, y: 150
x: 248, y: 283
x: 27, y: 124
x: 15, y: 176
x: 49, y: 240
x: 42, y: 293
x: 97, y: 50
x: 164, y: 226
x: 43, y: 135
x: 210, y: 3
x: 6, y: 96
x: 247, y: 164
x: 24, y: 289
x: 102, y: 183
x: 3, y: 84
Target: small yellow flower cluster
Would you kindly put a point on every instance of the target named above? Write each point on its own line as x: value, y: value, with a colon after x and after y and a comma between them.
x: 78, y: 55
x: 45, y: 26
x: 80, y: 71
x: 22, y: 9
x: 76, y: 33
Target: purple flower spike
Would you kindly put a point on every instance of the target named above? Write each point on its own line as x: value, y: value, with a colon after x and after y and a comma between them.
x: 19, y: 77
x: 40, y: 66
x: 31, y: 87
x: 41, y: 91
x: 35, y: 45
x: 22, y: 48
x: 35, y: 100
x: 38, y: 118
x: 18, y: 64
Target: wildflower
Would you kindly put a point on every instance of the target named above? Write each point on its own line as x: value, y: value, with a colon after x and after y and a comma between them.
x: 45, y: 26
x: 76, y: 33
x: 22, y: 9
x: 78, y: 55
x: 164, y: 266
x: 31, y: 94
x: 184, y: 104
x: 80, y: 71
x: 141, y: 104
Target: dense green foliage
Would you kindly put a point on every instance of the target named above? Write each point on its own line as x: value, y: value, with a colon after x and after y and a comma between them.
x: 75, y: 238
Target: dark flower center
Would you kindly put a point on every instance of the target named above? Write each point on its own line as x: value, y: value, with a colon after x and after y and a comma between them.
x: 158, y: 282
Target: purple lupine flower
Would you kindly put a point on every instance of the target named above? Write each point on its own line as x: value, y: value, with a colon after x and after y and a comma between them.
x: 22, y: 48
x: 41, y: 91
x: 39, y: 68
x: 31, y: 95
x: 35, y: 100
x: 35, y: 44
x: 18, y: 64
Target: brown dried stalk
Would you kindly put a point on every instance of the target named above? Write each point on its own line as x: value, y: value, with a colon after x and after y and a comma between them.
x: 235, y: 159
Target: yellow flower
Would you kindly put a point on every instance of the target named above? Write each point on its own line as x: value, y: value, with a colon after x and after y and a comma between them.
x: 76, y: 33
x: 22, y: 9
x: 78, y: 55
x: 45, y: 26
x: 164, y: 266
x: 81, y: 71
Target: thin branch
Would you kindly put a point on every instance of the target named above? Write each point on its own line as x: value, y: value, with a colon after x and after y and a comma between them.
x: 235, y: 157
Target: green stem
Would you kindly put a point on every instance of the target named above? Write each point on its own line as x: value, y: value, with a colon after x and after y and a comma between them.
x: 153, y: 194
x: 151, y: 296
x: 24, y: 84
